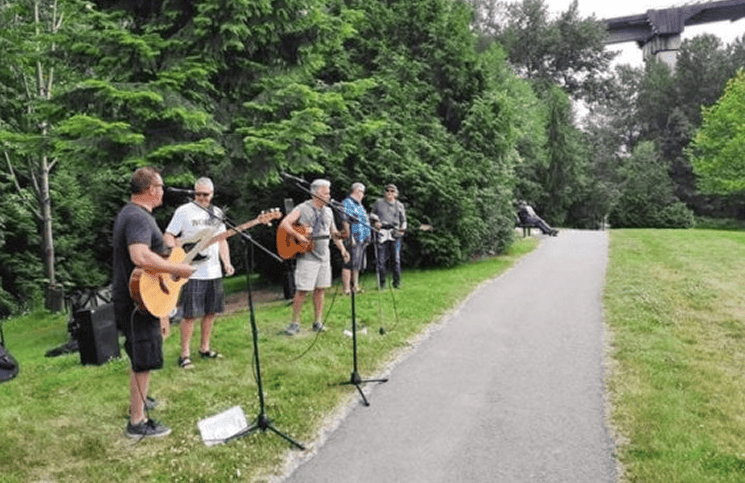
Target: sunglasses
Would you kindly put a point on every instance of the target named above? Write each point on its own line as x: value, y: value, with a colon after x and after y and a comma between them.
x: 390, y: 191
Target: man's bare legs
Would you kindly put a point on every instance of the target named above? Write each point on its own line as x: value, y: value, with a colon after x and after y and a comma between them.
x: 297, y: 307
x: 346, y: 280
x: 187, y: 330
x: 138, y: 383
x: 318, y: 303
x: 207, y: 322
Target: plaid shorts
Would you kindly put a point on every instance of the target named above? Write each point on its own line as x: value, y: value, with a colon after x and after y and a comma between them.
x: 202, y: 297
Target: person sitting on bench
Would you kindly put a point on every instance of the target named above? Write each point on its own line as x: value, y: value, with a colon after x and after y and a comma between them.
x: 528, y: 217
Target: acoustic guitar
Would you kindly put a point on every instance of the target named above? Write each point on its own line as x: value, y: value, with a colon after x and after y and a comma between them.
x: 289, y: 247
x: 158, y: 292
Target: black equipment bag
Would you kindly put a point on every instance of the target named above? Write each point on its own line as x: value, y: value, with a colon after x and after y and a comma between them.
x: 8, y: 364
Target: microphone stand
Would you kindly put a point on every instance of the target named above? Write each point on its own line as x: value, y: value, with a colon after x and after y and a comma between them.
x: 355, y: 379
x: 262, y: 421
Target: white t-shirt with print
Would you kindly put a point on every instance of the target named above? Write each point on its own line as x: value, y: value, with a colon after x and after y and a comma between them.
x: 187, y: 222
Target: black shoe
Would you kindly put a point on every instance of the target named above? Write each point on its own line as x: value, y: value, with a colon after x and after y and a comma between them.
x: 318, y: 327
x: 149, y: 428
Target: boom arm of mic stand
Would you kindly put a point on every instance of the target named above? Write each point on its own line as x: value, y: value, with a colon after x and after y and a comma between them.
x: 248, y: 237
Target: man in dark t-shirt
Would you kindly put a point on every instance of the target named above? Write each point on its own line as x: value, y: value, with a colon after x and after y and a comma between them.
x: 138, y: 242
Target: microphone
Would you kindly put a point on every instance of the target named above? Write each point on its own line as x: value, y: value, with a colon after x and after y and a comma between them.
x: 293, y: 178
x: 179, y: 191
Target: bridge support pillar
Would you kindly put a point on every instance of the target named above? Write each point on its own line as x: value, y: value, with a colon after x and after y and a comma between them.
x: 663, y: 48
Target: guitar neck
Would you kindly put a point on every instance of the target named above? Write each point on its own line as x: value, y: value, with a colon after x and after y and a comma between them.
x: 219, y: 237
x: 264, y: 217
x: 233, y: 231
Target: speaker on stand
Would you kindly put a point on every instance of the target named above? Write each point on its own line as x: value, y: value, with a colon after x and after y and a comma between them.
x: 98, y: 339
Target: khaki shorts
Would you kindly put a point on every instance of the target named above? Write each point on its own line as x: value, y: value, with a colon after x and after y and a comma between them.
x: 311, y: 274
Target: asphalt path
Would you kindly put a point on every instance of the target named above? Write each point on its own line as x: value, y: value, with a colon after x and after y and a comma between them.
x: 510, y: 388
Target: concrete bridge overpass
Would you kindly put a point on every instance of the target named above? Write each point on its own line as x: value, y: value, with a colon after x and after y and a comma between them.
x: 657, y: 32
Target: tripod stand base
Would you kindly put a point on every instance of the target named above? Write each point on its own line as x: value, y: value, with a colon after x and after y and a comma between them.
x: 231, y: 424
x: 262, y: 423
x: 355, y: 380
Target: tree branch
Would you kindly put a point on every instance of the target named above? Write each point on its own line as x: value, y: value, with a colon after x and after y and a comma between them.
x: 21, y: 193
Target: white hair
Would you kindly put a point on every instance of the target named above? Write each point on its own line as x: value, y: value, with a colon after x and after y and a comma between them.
x: 204, y: 182
x: 317, y: 183
x: 357, y: 186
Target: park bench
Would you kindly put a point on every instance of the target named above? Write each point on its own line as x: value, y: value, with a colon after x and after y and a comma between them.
x: 520, y: 224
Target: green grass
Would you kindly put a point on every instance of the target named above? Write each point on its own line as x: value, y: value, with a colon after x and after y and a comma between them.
x: 64, y: 422
x: 237, y: 283
x: 674, y: 303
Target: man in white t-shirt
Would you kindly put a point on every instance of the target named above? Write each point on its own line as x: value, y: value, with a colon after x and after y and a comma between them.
x: 203, y: 294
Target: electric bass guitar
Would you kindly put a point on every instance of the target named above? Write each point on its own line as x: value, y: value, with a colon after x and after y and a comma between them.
x: 157, y: 292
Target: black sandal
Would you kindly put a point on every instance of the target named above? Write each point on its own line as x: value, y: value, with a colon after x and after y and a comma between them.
x: 185, y: 363
x: 210, y: 354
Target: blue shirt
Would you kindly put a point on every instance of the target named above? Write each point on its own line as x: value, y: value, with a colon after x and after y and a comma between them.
x: 353, y: 208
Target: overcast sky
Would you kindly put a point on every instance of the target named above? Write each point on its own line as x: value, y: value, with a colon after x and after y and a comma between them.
x: 631, y: 54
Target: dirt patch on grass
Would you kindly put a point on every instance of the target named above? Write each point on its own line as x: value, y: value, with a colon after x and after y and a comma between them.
x: 237, y: 302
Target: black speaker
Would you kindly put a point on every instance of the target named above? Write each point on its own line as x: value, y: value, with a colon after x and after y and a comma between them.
x: 97, y: 335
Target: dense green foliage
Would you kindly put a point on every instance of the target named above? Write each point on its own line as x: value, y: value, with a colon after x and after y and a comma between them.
x: 239, y: 90
x: 719, y: 146
x: 466, y: 105
x: 647, y: 196
x: 567, y: 50
x: 662, y: 106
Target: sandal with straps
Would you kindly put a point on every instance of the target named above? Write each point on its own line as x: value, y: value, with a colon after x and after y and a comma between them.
x: 210, y: 354
x: 185, y: 363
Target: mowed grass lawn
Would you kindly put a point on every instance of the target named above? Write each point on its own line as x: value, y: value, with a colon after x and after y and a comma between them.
x: 64, y: 422
x: 674, y: 303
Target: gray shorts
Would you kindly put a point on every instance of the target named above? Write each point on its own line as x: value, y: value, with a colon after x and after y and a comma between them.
x: 311, y: 274
x: 357, y: 258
